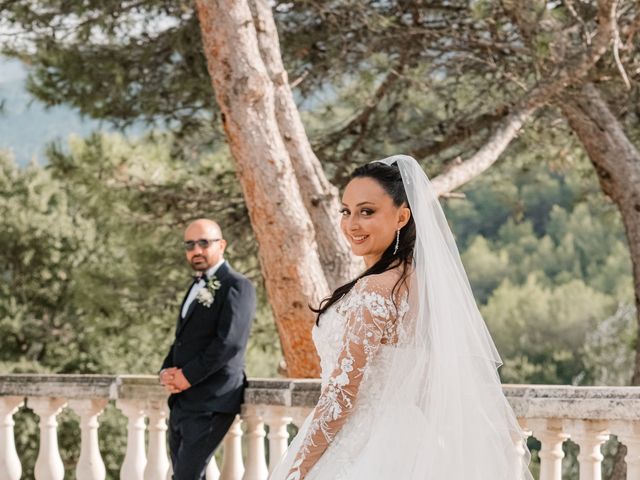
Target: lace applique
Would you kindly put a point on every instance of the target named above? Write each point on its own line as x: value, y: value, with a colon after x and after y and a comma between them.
x: 371, y: 320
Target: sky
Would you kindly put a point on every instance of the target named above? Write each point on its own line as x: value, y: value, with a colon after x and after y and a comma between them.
x: 26, y: 126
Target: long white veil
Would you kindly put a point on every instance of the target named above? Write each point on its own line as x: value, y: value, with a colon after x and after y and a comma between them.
x: 444, y: 383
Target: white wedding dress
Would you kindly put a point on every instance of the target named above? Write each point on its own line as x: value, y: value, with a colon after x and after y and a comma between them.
x: 410, y: 389
x: 350, y: 434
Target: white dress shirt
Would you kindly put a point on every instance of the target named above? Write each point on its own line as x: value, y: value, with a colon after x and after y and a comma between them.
x: 196, y: 287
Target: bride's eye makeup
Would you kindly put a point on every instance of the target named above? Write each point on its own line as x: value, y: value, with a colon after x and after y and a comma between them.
x: 365, y: 212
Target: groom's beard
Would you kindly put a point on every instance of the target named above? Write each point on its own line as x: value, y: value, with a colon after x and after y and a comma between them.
x: 199, y: 266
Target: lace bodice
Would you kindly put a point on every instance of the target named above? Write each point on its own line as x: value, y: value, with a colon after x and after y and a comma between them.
x: 354, y: 337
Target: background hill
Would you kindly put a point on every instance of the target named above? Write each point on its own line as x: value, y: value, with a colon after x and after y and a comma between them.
x: 26, y: 125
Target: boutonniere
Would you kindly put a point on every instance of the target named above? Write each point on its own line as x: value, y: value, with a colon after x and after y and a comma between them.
x: 208, y: 292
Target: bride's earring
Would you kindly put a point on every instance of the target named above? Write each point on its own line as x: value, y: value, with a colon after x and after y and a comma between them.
x: 395, y: 250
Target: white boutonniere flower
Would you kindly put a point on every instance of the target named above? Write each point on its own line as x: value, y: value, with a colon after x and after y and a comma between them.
x: 207, y: 293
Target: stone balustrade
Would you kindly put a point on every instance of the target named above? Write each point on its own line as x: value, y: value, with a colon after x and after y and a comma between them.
x: 552, y: 414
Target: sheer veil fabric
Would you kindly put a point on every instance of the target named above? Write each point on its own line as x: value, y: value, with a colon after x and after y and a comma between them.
x: 430, y: 406
x: 445, y: 367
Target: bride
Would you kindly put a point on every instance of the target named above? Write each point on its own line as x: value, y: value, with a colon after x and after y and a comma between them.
x: 410, y: 388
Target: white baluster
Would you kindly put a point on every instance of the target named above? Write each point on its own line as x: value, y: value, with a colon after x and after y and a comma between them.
x: 157, y: 461
x: 134, y: 459
x: 90, y: 465
x: 590, y: 435
x: 629, y: 435
x: 552, y: 436
x: 278, y: 435
x: 519, y: 443
x: 212, y: 472
x: 49, y: 465
x: 232, y: 467
x: 256, y: 461
x: 10, y: 467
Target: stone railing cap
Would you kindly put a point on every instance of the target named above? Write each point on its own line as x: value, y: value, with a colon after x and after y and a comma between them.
x: 530, y: 401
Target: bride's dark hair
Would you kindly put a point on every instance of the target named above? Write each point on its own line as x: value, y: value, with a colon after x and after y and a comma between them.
x: 388, y: 176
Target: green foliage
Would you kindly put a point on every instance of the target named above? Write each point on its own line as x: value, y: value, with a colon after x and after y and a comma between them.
x: 485, y: 268
x: 117, y: 61
x: 456, y: 66
x: 541, y: 331
x: 549, y: 265
x: 92, y: 263
x: 44, y: 239
x: 94, y: 269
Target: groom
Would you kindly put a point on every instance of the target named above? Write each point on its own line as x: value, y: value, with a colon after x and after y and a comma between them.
x: 203, y: 371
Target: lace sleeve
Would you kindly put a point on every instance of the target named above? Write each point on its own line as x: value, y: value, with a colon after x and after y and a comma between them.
x: 368, y: 312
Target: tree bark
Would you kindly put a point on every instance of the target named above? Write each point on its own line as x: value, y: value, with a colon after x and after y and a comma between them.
x: 617, y: 163
x: 289, y: 260
x: 319, y: 195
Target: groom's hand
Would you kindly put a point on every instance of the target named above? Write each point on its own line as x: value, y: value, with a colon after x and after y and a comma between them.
x: 180, y: 381
x: 167, y: 377
x: 173, y: 380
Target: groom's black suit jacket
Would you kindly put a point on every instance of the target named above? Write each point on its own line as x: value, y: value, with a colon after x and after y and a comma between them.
x: 210, y: 346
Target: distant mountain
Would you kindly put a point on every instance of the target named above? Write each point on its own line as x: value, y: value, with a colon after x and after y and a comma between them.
x: 26, y: 126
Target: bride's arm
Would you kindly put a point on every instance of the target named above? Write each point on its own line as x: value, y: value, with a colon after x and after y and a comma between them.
x: 368, y: 312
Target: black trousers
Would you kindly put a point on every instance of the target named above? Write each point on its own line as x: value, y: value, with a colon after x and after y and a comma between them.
x: 193, y: 438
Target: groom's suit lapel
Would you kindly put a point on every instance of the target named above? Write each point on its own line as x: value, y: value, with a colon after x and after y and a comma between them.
x: 220, y: 274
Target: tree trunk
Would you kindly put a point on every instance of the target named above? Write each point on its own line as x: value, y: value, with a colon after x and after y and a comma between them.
x: 617, y: 163
x: 283, y: 182
x: 290, y: 264
x: 319, y: 195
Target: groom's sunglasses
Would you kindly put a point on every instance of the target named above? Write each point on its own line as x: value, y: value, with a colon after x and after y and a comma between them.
x: 202, y: 243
